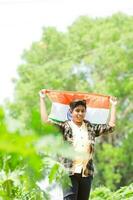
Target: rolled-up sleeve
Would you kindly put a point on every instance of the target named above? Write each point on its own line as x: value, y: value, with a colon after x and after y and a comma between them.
x: 101, y: 129
x: 59, y: 125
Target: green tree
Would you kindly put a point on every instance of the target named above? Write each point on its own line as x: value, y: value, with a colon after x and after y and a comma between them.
x: 94, y: 55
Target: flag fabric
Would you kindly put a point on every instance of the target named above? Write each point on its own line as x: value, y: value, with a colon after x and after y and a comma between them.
x: 98, y: 105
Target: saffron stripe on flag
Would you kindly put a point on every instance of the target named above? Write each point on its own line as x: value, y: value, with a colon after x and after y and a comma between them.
x: 65, y: 97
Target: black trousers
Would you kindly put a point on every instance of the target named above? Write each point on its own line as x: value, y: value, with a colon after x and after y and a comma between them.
x: 80, y: 189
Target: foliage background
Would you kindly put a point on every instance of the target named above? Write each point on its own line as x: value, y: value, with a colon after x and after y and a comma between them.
x: 93, y: 55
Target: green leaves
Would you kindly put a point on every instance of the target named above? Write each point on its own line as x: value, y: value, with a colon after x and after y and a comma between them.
x: 103, y: 193
x: 53, y: 172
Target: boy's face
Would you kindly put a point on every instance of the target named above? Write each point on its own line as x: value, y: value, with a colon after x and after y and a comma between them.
x: 78, y: 114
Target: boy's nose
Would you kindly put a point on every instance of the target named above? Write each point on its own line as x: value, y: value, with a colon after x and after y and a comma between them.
x: 80, y: 113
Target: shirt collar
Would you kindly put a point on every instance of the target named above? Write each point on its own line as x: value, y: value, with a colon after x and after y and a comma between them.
x: 74, y: 125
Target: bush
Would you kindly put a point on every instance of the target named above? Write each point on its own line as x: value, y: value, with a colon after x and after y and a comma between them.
x: 103, y: 193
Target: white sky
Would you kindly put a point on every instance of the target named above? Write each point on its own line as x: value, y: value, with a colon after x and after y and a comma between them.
x: 21, y: 23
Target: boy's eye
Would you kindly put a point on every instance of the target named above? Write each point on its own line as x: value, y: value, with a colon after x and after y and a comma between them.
x: 80, y: 111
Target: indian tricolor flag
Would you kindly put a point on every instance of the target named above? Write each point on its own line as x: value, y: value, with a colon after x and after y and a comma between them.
x: 97, y: 105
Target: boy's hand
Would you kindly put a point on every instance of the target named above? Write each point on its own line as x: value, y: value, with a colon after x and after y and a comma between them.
x: 113, y: 101
x: 42, y: 93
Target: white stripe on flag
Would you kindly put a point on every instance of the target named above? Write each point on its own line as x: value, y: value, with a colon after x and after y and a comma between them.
x: 60, y: 112
x: 97, y: 115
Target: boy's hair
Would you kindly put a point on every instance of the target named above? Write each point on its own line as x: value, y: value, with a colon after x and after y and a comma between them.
x: 76, y: 103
